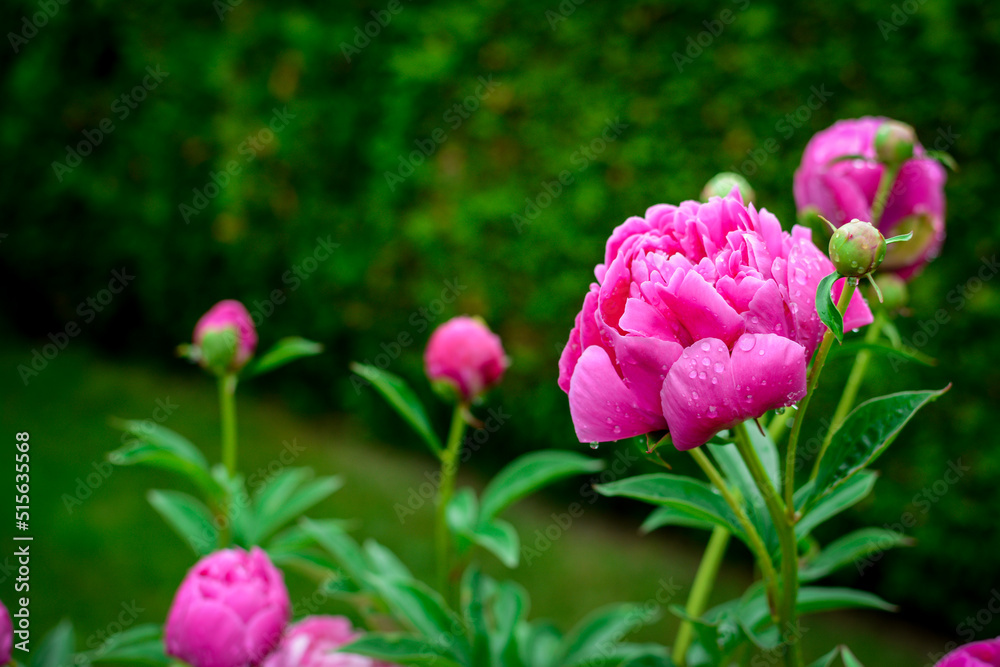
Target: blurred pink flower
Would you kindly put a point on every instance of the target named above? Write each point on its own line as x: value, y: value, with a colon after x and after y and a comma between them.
x: 465, y: 354
x: 230, y: 315
x: 229, y: 611
x: 6, y: 635
x: 702, y: 316
x: 844, y: 190
x: 978, y: 654
x: 312, y: 642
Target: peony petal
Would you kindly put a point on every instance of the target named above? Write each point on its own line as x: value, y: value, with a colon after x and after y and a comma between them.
x: 768, y: 312
x: 644, y: 362
x: 699, y: 394
x: 769, y: 371
x: 584, y: 334
x: 700, y: 308
x: 602, y: 407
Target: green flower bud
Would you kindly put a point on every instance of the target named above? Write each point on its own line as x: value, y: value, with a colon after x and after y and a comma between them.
x: 894, y: 142
x: 218, y: 349
x: 857, y: 249
x: 723, y: 183
x: 894, y: 292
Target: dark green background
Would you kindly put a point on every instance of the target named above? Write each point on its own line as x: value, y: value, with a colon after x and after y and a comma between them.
x: 560, y: 83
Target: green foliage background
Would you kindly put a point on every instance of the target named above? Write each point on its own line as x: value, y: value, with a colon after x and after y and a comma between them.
x: 560, y: 83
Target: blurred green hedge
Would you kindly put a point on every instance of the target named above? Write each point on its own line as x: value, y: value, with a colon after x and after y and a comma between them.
x: 286, y: 132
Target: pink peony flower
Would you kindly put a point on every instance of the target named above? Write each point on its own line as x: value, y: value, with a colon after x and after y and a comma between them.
x: 312, y: 642
x: 231, y: 316
x: 464, y: 353
x: 978, y: 654
x: 702, y: 316
x: 845, y: 190
x: 229, y: 611
x: 6, y: 635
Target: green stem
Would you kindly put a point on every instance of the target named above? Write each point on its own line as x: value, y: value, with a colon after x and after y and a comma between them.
x: 778, y: 425
x: 854, y: 380
x: 700, y: 590
x: 882, y: 193
x: 787, y: 611
x: 800, y: 418
x: 227, y: 405
x: 756, y: 544
x: 449, y: 466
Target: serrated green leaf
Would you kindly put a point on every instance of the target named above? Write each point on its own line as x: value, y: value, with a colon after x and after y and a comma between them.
x: 865, y: 434
x: 827, y: 309
x: 528, y: 473
x: 283, y: 352
x: 693, y: 496
x: 849, y: 548
x: 189, y: 517
x: 399, y: 395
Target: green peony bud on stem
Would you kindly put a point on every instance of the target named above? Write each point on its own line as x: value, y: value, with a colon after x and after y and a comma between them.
x: 857, y: 249
x: 723, y: 183
x: 894, y: 142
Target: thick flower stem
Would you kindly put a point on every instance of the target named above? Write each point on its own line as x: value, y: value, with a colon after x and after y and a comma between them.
x: 227, y: 406
x: 756, y: 545
x: 783, y: 525
x: 449, y: 466
x: 882, y: 193
x: 700, y: 591
x: 854, y: 381
x: 800, y: 418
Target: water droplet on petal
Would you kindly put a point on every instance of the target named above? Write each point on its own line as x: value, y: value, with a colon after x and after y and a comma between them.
x: 719, y: 367
x: 800, y: 276
x: 706, y: 361
x: 711, y: 409
x: 715, y: 380
x: 693, y: 374
x: 760, y: 352
x: 747, y: 343
x: 706, y: 346
x: 594, y: 445
x: 702, y: 375
x: 617, y: 429
x: 694, y: 395
x: 779, y: 411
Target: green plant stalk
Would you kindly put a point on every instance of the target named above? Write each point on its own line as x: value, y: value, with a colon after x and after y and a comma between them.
x: 784, y: 526
x: 882, y: 193
x: 768, y: 573
x: 449, y: 466
x: 778, y: 425
x: 800, y: 418
x: 700, y: 591
x: 854, y: 380
x: 227, y: 410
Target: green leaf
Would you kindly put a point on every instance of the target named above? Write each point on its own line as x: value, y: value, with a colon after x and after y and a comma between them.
x: 141, y: 644
x: 278, y: 507
x: 827, y: 309
x: 944, y: 158
x: 910, y: 354
x: 56, y: 649
x: 755, y: 617
x: 463, y: 512
x: 595, y: 635
x: 696, y: 498
x: 157, y: 446
x: 332, y: 537
x: 850, y: 660
x: 402, y: 398
x: 539, y: 643
x: 509, y: 608
x: 846, y: 495
x: 673, y: 516
x: 385, y: 563
x: 425, y: 612
x: 500, y: 539
x: 737, y: 473
x: 827, y: 659
x: 529, y: 473
x: 283, y: 352
x: 865, y: 434
x: 401, y: 650
x: 189, y: 517
x: 851, y: 547
x: 473, y: 608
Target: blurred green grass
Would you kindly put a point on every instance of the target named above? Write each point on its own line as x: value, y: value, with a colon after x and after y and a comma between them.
x: 113, y: 550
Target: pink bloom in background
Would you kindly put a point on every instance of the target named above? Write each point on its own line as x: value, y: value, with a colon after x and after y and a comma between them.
x: 6, y: 635
x: 230, y: 315
x: 978, y: 654
x: 702, y: 316
x: 229, y: 611
x: 312, y: 642
x: 845, y: 190
x: 466, y: 354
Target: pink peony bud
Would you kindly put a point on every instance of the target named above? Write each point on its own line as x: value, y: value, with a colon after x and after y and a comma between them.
x: 978, y: 654
x: 465, y: 355
x: 229, y: 611
x: 225, y: 336
x: 312, y: 642
x: 6, y: 635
